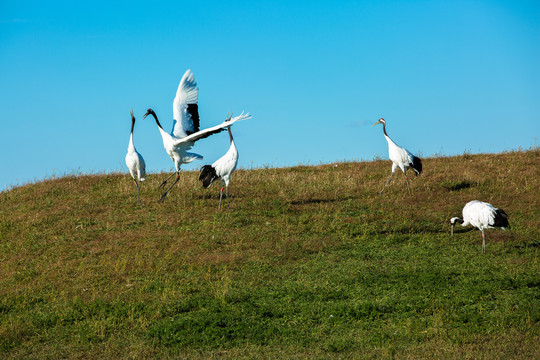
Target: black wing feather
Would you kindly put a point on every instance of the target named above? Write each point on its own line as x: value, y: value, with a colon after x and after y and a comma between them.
x: 193, y: 110
x: 211, y: 133
x: 208, y: 175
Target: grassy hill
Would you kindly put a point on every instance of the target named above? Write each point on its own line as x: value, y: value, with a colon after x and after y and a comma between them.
x: 309, y: 262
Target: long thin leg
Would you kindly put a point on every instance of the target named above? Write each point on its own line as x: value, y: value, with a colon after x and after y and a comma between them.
x: 138, y: 195
x: 170, y: 187
x: 483, y: 242
x: 137, y: 185
x: 227, y: 195
x: 388, y: 182
x: 220, y: 196
x: 408, y: 186
x: 165, y: 181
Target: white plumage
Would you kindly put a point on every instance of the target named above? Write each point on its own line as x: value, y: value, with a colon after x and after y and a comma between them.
x: 135, y: 162
x: 185, y: 107
x: 482, y: 216
x: 221, y: 169
x: 400, y: 157
x: 185, y: 131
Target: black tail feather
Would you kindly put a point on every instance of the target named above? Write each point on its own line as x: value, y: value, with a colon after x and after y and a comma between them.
x: 501, y: 219
x: 417, y: 165
x: 208, y: 175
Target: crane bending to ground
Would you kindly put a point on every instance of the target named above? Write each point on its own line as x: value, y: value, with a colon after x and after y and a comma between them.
x: 482, y: 216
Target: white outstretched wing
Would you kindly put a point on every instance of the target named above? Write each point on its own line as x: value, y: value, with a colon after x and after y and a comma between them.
x: 210, y: 131
x: 185, y: 107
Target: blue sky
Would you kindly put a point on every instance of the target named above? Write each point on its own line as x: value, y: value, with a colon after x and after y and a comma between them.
x: 448, y: 77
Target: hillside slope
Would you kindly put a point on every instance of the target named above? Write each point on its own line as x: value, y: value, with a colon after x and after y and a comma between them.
x: 309, y: 261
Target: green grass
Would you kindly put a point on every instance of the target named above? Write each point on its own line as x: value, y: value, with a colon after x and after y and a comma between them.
x: 309, y: 262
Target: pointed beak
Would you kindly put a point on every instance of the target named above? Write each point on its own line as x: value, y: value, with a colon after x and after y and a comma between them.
x: 378, y: 122
x: 145, y: 115
x: 452, y: 231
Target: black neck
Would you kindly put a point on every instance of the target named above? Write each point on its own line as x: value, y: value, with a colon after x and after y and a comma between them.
x: 157, y: 121
x: 132, y: 124
x: 459, y: 221
x: 384, y: 129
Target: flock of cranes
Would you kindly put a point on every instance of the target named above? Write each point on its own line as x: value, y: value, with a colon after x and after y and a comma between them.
x: 186, y: 131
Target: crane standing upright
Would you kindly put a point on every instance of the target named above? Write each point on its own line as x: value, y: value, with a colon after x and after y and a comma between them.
x: 135, y: 162
x: 221, y: 169
x: 400, y: 157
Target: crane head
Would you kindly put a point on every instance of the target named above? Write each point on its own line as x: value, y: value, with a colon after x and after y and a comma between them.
x: 149, y: 112
x: 453, y: 223
x: 380, y: 121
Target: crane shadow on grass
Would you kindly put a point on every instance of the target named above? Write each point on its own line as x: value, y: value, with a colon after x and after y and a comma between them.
x: 408, y: 230
x: 533, y: 244
x: 465, y: 230
x: 212, y: 196
x: 456, y: 186
x: 204, y: 196
x: 320, y: 201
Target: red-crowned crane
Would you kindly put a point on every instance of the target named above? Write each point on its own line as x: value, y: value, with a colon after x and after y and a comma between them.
x: 400, y: 157
x: 221, y: 169
x: 185, y: 131
x: 482, y: 216
x: 135, y: 162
